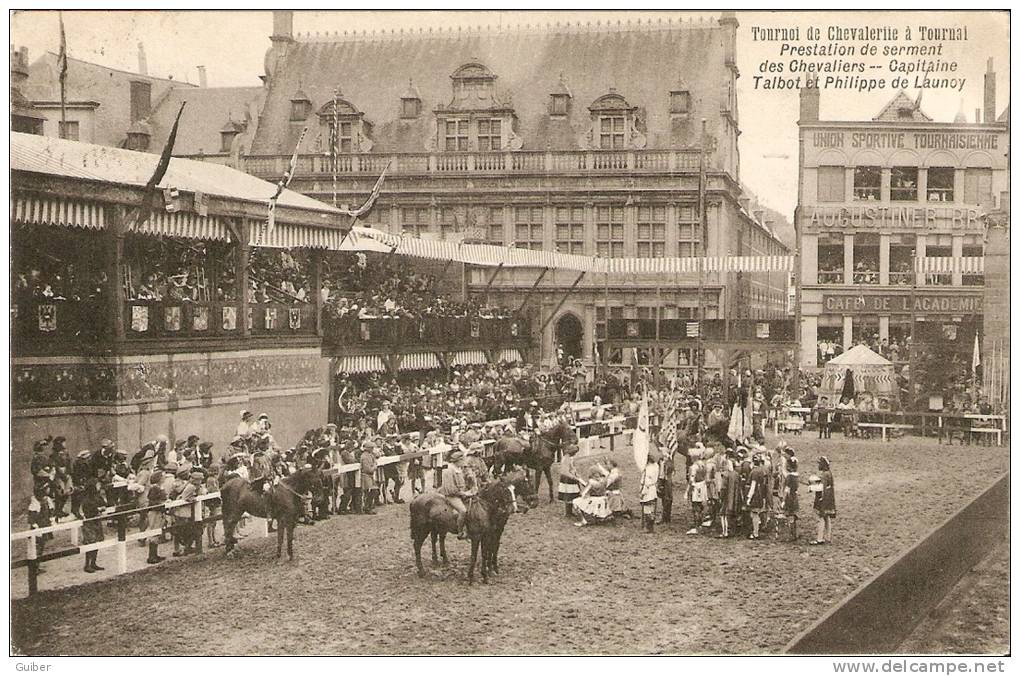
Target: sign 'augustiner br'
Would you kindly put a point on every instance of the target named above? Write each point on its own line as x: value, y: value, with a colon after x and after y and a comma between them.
x: 903, y: 304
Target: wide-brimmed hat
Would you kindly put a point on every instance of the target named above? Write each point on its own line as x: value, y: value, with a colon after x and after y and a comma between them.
x: 171, y: 467
x: 84, y: 453
x: 455, y: 456
x: 205, y: 446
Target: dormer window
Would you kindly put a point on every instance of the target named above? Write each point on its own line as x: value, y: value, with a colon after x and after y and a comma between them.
x: 559, y: 99
x: 489, y: 135
x: 230, y: 131
x: 342, y: 127
x: 300, y: 107
x: 457, y: 134
x: 410, y: 102
x: 611, y: 132
x: 613, y: 124
x: 679, y: 102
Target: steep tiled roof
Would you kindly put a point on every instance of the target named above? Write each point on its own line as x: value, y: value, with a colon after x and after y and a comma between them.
x: 206, y: 114
x: 643, y: 62
x: 891, y: 111
x: 110, y: 87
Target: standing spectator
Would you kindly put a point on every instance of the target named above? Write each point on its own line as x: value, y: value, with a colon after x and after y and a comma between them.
x: 756, y: 495
x: 570, y: 483
x: 155, y: 497
x: 824, y: 417
x: 368, y: 484
x: 791, y: 502
x: 93, y: 504
x: 81, y: 471
x: 730, y: 497
x: 204, y: 456
x: 647, y: 493
x: 665, y: 485
x: 62, y: 486
x: 824, y: 489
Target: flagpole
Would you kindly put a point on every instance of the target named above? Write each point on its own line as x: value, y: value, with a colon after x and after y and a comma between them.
x: 335, y: 145
x: 702, y: 204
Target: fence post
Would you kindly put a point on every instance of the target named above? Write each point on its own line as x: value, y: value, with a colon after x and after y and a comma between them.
x: 33, y: 566
x: 197, y: 525
x: 75, y: 536
x: 121, y: 545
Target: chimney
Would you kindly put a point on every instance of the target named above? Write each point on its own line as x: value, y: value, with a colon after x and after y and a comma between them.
x: 201, y: 77
x: 283, y: 26
x: 810, y: 99
x: 990, y: 94
x: 977, y: 116
x: 143, y: 65
x: 19, y: 66
x: 141, y: 99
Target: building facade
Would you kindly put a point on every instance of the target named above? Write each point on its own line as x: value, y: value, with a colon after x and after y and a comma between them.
x: 134, y: 110
x: 578, y: 139
x: 892, y: 224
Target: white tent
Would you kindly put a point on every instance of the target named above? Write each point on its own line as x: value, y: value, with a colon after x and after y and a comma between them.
x: 871, y: 372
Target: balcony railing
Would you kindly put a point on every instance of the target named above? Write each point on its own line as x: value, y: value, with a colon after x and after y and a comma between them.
x: 162, y: 319
x: 901, y: 278
x: 524, y: 162
x: 866, y: 277
x: 407, y: 332
x: 830, y: 277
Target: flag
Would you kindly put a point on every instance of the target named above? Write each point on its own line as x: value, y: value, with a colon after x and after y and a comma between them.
x: 62, y: 75
x: 161, y: 168
x: 640, y: 439
x: 284, y: 182
x: 355, y: 213
x: 201, y: 204
x: 976, y: 359
x: 693, y: 329
x: 598, y: 357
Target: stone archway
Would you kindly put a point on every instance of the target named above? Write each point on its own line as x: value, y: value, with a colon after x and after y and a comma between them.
x: 569, y: 334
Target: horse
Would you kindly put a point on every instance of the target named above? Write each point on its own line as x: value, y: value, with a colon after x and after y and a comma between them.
x: 282, y: 502
x: 487, y: 514
x: 544, y: 446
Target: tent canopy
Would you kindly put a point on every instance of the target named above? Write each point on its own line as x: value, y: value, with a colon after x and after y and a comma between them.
x: 872, y: 374
x: 860, y: 355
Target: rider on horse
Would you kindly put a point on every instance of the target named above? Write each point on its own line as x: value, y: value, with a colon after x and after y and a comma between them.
x: 458, y: 485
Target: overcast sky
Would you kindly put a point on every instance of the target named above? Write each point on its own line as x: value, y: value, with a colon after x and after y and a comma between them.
x: 232, y: 45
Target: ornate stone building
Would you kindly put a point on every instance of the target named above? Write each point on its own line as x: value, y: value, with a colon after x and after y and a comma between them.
x: 584, y: 139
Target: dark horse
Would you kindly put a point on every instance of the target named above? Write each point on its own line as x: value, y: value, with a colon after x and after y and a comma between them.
x: 282, y: 503
x: 544, y: 447
x: 487, y: 514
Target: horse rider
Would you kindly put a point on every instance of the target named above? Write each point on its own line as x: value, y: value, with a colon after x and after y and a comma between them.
x: 262, y: 472
x: 532, y: 416
x: 458, y: 486
x: 474, y: 463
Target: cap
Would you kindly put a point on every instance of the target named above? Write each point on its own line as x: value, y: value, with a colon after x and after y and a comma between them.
x: 455, y: 456
x: 205, y: 446
x: 106, y: 443
x: 84, y: 453
x: 245, y: 414
x: 149, y: 454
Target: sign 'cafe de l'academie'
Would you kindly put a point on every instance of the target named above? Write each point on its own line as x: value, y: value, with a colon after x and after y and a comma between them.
x: 892, y: 221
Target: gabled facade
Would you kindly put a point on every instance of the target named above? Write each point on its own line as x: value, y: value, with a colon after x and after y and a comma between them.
x: 584, y: 139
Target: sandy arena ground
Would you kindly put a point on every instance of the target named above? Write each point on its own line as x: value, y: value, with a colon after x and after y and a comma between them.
x: 561, y: 589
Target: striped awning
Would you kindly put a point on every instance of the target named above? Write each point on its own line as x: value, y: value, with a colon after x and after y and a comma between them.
x: 185, y: 225
x: 468, y: 358
x: 968, y: 265
x: 510, y: 354
x: 365, y: 363
x: 56, y: 211
x: 293, y: 236
x: 490, y: 255
x: 692, y: 264
x: 419, y: 361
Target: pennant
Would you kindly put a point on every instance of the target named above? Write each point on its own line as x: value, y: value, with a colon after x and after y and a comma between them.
x: 285, y: 181
x: 976, y: 358
x: 161, y: 168
x: 201, y: 204
x: 364, y: 208
x: 229, y: 318
x: 170, y: 196
x: 295, y: 319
